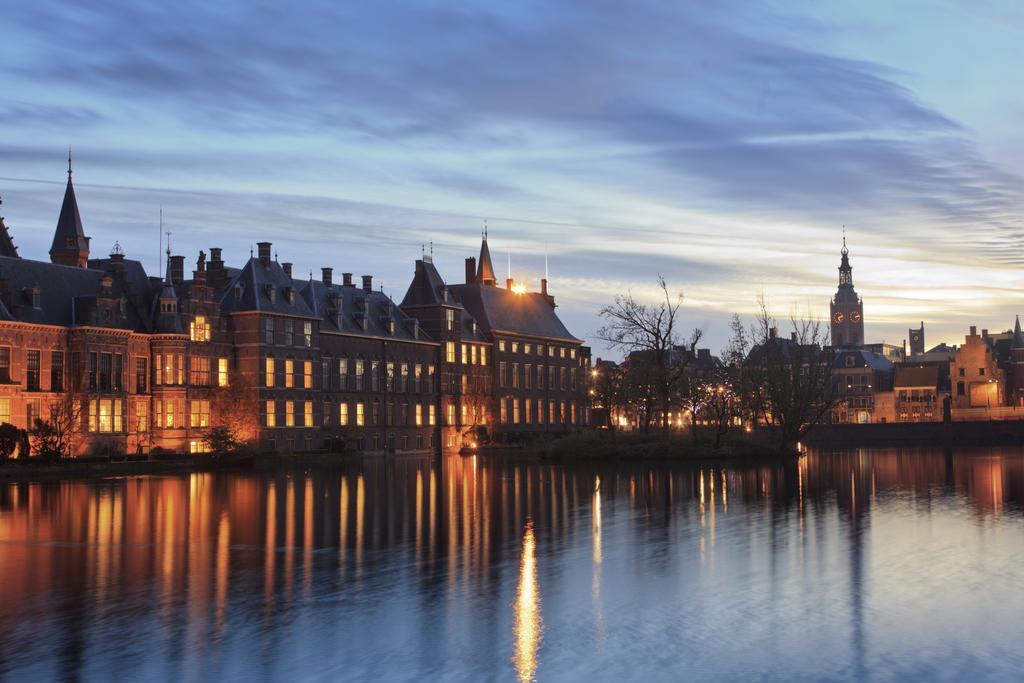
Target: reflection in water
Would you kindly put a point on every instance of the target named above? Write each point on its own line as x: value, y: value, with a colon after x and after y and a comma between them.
x: 528, y: 623
x: 396, y: 568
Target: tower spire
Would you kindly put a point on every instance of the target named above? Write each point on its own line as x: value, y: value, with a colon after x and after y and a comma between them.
x: 485, y: 269
x: 69, y: 163
x: 70, y: 246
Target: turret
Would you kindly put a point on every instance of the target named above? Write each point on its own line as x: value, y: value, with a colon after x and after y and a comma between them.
x: 70, y: 245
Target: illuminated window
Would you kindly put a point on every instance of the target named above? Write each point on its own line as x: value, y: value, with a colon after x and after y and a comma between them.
x: 200, y: 414
x: 307, y: 334
x: 540, y: 411
x: 199, y: 329
x: 343, y: 414
x: 417, y: 377
x: 181, y: 369
x: 289, y: 373
x: 389, y: 377
x: 449, y: 352
x: 515, y: 347
x: 106, y: 416
x: 271, y: 412
x: 5, y: 410
x: 199, y: 369
x: 169, y: 414
x: 503, y: 411
x: 222, y: 372
x: 269, y: 371
x: 472, y: 355
x: 141, y: 417
x: 403, y: 378
x: 528, y: 411
x: 307, y: 414
x: 515, y: 411
x: 198, y: 446
x: 419, y: 415
x: 450, y: 413
x: 307, y: 374
x: 465, y: 354
x: 527, y: 348
x: 465, y: 414
x: 483, y: 355
x: 359, y: 375
x: 289, y: 413
x: 360, y: 415
x: 432, y: 415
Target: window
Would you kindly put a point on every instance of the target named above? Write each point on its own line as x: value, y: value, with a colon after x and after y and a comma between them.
x: 515, y: 347
x: 200, y: 413
x: 465, y: 354
x: 430, y: 378
x: 389, y: 413
x: 417, y: 376
x: 307, y: 374
x: 981, y: 371
x: 268, y: 331
x: 169, y: 414
x: 374, y: 371
x: 199, y: 329
x: 32, y: 411
x: 5, y: 409
x: 472, y: 354
x: 551, y: 351
x: 343, y: 374
x: 503, y: 411
x: 199, y: 371
x: 501, y: 345
x: 92, y: 371
x: 389, y: 377
x: 449, y: 317
x: 375, y: 412
x: 403, y: 378
x: 551, y: 412
x: 5, y: 365
x: 360, y: 416
x: 307, y: 334
x: 540, y: 376
x: 268, y: 371
x: 343, y: 414
x: 540, y: 411
x: 515, y: 411
x: 528, y: 376
x: 271, y: 414
x: 450, y: 413
x: 116, y: 382
x: 431, y: 414
x: 561, y: 351
x: 465, y: 414
x: 501, y: 373
x: 181, y: 368
x: 419, y: 415
x: 289, y: 373
x: 57, y: 371
x: 359, y: 375
x: 289, y: 413
x: 307, y: 414
x: 449, y: 352
x: 141, y: 373
x: 288, y: 326
x: 222, y: 372
x: 527, y: 349
x: 106, y: 365
x: 515, y: 375
x: 106, y: 415
x: 325, y: 373
x: 141, y: 417
x: 528, y: 411
x: 572, y: 353
x: 32, y: 370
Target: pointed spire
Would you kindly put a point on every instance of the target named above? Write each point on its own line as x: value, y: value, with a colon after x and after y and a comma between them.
x: 70, y: 246
x: 485, y: 269
x: 845, y: 270
x: 1018, y: 336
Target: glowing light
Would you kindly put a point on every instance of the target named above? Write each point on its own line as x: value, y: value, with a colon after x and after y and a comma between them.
x: 528, y: 625
x: 519, y: 288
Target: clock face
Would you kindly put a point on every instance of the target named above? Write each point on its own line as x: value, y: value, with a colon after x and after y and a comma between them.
x: 855, y: 317
x: 838, y: 317
x: 916, y: 338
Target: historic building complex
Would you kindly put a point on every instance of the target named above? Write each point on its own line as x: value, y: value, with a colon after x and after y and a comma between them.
x: 138, y: 362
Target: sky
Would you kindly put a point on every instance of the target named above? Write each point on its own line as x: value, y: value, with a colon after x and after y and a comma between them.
x: 721, y: 144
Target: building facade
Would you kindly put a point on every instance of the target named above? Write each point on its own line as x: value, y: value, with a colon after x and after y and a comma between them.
x: 142, y: 363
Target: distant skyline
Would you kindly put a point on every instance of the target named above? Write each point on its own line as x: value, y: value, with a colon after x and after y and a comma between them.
x: 721, y: 144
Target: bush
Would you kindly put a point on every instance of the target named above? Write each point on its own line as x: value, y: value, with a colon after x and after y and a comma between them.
x: 10, y: 438
x: 221, y: 440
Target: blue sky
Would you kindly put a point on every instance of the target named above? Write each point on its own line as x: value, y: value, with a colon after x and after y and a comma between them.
x: 722, y: 144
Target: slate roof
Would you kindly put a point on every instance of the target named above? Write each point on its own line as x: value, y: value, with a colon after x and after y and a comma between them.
x: 427, y: 287
x: 356, y: 302
x: 69, y: 223
x: 67, y: 294
x: 485, y: 269
x: 7, y: 247
x: 862, y: 359
x: 256, y: 280
x: 497, y: 309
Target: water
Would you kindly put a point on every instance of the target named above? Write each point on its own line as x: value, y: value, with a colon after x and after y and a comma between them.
x: 866, y: 564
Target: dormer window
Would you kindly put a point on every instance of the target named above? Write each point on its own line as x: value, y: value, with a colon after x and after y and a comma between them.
x: 69, y: 242
x: 122, y: 306
x: 391, y: 326
x: 271, y: 293
x: 37, y: 298
x: 238, y: 292
x: 289, y: 294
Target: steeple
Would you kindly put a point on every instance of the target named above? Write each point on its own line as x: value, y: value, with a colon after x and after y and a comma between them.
x: 845, y: 271
x: 1018, y: 336
x: 70, y: 245
x: 485, y: 269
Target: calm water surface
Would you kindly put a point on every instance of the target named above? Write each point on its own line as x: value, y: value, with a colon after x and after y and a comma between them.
x: 853, y: 565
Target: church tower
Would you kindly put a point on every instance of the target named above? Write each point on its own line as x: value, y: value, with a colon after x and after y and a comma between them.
x: 70, y: 245
x: 847, y: 309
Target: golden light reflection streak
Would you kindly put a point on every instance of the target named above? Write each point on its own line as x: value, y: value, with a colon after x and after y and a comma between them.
x: 596, y: 583
x: 528, y: 623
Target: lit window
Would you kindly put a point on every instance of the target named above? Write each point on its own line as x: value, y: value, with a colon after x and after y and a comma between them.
x: 289, y: 373
x: 449, y: 316
x: 269, y: 371
x: 141, y: 417
x: 360, y: 415
x: 5, y: 410
x: 343, y: 414
x: 472, y: 355
x: 222, y: 372
x: 199, y: 369
x: 449, y: 352
x: 289, y: 413
x: 501, y: 345
x: 307, y: 414
x: 465, y: 354
x: 483, y: 355
x: 200, y: 415
x: 271, y: 411
x: 199, y: 329
x: 419, y: 415
x: 307, y: 374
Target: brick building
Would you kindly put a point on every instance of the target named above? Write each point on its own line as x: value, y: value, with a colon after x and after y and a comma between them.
x: 291, y: 363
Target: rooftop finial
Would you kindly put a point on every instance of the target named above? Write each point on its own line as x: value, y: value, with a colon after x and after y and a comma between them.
x: 845, y: 250
x: 69, y: 162
x: 485, y: 228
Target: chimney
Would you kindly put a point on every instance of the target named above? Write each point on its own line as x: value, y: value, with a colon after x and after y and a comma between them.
x: 544, y: 286
x: 367, y: 283
x: 346, y: 279
x: 177, y: 269
x: 984, y: 333
x: 773, y: 332
x: 215, y: 254
x: 117, y: 261
x: 792, y: 336
x: 287, y: 267
x: 508, y: 283
x: 470, y: 270
x: 264, y: 252
x: 974, y: 330
x: 326, y: 276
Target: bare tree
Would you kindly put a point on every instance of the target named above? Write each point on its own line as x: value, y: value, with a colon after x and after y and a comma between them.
x: 651, y: 330
x: 791, y: 387
x: 60, y: 435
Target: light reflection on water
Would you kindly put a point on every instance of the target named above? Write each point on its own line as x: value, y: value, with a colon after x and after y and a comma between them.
x: 842, y: 566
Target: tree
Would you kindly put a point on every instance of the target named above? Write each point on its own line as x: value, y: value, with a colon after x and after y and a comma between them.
x: 792, y: 387
x: 237, y: 407
x: 10, y: 438
x: 61, y: 435
x: 653, y: 330
x: 221, y: 440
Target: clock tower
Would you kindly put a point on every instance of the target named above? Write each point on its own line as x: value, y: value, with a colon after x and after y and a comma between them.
x: 847, y: 309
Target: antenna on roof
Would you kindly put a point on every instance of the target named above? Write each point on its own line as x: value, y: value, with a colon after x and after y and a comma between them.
x: 545, y: 260
x: 160, y: 245
x: 69, y: 162
x: 485, y: 228
x: 431, y: 249
x: 423, y: 251
x: 509, y: 264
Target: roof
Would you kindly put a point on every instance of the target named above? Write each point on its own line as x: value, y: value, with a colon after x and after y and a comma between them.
x: 355, y: 305
x: 861, y: 359
x: 910, y: 376
x: 7, y: 247
x: 485, y: 269
x: 266, y: 288
x: 497, y: 309
x: 69, y: 224
x: 427, y: 288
